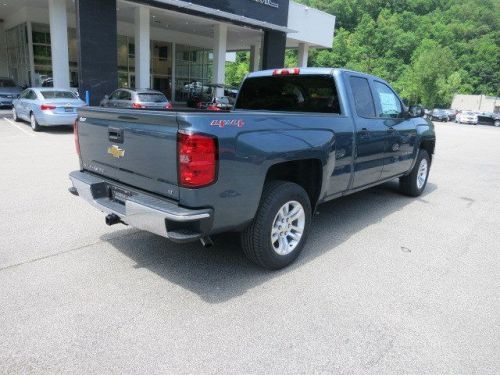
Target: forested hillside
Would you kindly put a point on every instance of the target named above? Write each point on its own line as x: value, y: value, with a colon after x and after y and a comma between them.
x: 428, y: 49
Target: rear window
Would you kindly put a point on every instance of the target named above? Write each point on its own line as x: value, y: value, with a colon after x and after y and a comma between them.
x: 58, y: 95
x: 299, y: 93
x: 152, y: 98
x: 7, y: 83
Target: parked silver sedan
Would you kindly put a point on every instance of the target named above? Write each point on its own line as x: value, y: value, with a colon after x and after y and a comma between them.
x: 46, y: 107
x: 136, y: 98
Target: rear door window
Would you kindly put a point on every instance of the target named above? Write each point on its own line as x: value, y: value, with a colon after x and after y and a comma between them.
x: 125, y: 95
x: 291, y: 93
x: 363, y: 99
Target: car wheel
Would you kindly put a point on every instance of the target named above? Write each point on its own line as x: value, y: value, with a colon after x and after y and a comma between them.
x: 14, y: 115
x: 414, y: 184
x: 279, y: 230
x: 34, y: 124
x: 497, y: 123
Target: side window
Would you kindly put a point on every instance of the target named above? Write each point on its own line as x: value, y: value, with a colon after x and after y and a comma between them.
x: 363, y: 99
x: 389, y: 103
x: 125, y: 95
x: 115, y: 95
x: 24, y: 94
x: 31, y: 95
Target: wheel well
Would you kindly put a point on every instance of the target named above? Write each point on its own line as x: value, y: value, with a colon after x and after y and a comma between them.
x: 428, y: 145
x: 306, y: 173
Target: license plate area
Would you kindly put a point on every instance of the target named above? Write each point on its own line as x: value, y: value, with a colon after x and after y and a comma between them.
x: 68, y: 109
x: 119, y: 195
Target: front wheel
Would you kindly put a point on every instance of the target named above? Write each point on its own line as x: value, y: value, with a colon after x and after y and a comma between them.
x: 414, y: 183
x: 34, y: 123
x: 14, y: 115
x: 497, y: 123
x: 279, y: 230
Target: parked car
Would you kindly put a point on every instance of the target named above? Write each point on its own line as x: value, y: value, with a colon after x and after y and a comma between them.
x: 221, y: 103
x: 8, y: 91
x: 136, y: 98
x: 467, y: 117
x: 488, y: 118
x: 296, y: 138
x: 452, y: 114
x: 46, y: 107
x: 439, y: 115
x: 205, y: 97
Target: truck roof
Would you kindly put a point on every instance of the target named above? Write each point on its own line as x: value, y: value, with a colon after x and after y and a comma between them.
x: 311, y: 71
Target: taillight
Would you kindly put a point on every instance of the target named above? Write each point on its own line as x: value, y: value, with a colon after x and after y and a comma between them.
x: 46, y: 107
x: 213, y: 108
x: 285, y: 72
x: 168, y: 106
x: 197, y: 159
x: 138, y: 105
x: 77, y: 140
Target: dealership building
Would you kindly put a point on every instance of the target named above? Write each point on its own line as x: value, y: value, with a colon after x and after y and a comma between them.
x: 100, y: 45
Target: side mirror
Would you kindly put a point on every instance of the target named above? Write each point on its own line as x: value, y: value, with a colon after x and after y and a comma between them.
x: 106, y: 97
x: 416, y: 111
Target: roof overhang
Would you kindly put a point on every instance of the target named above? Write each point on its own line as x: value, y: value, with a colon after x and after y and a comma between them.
x: 216, y: 14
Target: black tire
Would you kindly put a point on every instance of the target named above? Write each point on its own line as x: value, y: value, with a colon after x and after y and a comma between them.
x: 409, y: 184
x: 14, y: 115
x: 35, y: 126
x: 256, y: 238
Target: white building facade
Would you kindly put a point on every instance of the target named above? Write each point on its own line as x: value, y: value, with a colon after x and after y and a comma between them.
x: 100, y: 45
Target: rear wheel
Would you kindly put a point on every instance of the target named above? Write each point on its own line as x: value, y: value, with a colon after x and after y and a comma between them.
x: 279, y: 230
x: 414, y: 183
x: 34, y: 123
x: 497, y: 123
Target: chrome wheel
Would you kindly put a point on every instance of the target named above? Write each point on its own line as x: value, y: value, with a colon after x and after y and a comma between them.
x: 422, y: 173
x: 14, y: 114
x: 497, y: 123
x: 288, y: 227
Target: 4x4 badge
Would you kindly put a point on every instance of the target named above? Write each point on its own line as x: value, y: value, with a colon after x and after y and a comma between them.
x: 116, y: 151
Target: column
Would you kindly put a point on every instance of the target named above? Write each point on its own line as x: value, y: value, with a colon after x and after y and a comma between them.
x: 255, y: 58
x: 220, y: 41
x: 59, y: 43
x: 97, y: 48
x: 303, y: 54
x: 273, y: 51
x: 142, y: 48
x: 172, y: 78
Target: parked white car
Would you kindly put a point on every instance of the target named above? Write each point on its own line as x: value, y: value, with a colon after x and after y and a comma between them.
x: 467, y: 117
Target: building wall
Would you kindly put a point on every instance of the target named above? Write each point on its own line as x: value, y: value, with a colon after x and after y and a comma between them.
x: 480, y: 103
x: 4, y: 64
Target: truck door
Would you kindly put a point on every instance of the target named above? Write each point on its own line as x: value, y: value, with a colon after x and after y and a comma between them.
x: 400, y: 128
x: 371, y: 134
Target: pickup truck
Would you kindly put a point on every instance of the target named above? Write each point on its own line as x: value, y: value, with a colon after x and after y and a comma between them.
x: 295, y: 139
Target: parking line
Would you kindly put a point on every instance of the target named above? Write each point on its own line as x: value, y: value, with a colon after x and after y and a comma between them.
x: 17, y: 126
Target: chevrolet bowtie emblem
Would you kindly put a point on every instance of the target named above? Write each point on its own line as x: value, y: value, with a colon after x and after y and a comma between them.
x: 116, y: 151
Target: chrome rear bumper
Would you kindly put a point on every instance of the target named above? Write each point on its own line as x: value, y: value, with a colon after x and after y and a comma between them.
x: 143, y: 211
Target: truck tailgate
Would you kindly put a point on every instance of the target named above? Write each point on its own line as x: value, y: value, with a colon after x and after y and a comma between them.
x: 137, y: 148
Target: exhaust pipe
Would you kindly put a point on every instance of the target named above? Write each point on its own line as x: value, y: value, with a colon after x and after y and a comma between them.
x: 206, y: 242
x: 112, y: 219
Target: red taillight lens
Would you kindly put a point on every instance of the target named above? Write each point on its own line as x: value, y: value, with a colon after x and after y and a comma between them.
x: 138, y: 105
x: 285, y: 72
x: 197, y: 159
x: 168, y: 106
x: 213, y: 108
x: 77, y: 140
x: 46, y: 107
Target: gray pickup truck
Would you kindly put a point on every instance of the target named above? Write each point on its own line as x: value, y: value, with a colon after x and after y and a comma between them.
x: 295, y: 139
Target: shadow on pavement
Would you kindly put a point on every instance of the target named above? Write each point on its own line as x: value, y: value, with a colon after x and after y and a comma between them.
x: 222, y: 272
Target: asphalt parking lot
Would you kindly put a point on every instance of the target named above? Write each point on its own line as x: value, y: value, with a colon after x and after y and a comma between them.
x: 386, y: 284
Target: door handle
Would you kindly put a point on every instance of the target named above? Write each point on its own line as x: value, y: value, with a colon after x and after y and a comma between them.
x: 364, y: 133
x: 115, y: 135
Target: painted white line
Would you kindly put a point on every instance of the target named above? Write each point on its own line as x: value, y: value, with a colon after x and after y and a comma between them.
x: 17, y: 126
